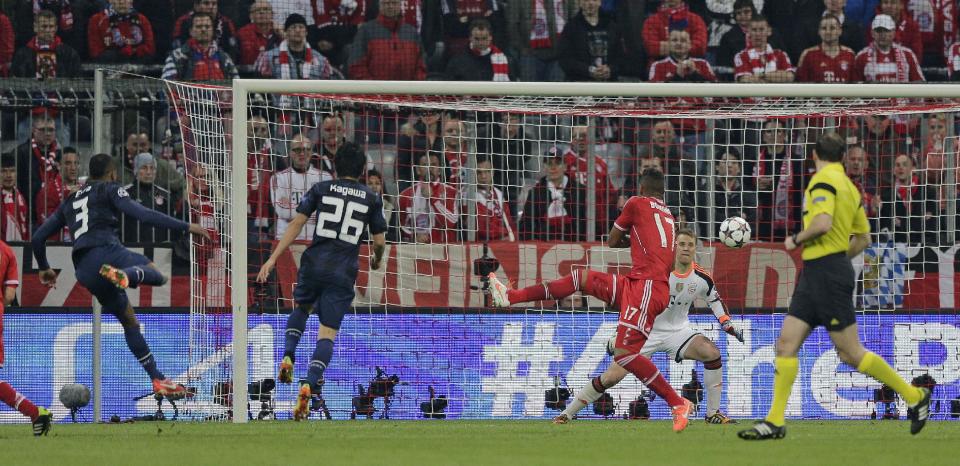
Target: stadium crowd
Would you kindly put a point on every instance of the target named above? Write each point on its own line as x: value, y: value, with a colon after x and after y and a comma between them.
x: 523, y: 189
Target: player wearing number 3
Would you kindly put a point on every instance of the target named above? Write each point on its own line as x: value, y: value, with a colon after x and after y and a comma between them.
x: 646, y: 227
x: 103, y: 265
x: 329, y: 267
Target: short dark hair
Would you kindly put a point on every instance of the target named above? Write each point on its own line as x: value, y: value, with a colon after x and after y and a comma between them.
x: 100, y: 165
x: 757, y: 17
x: 373, y: 172
x: 8, y: 161
x: 45, y: 14
x: 484, y: 158
x: 740, y: 4
x: 70, y: 150
x: 833, y: 17
x: 830, y: 147
x: 202, y: 15
x: 481, y: 23
x: 652, y: 182
x: 350, y: 160
x: 686, y: 231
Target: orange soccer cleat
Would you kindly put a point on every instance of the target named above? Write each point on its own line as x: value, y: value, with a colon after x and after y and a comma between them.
x: 115, y: 276
x: 302, y: 410
x: 681, y: 414
x: 169, y: 388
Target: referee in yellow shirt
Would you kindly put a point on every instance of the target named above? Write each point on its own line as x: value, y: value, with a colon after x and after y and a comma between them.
x: 835, y: 229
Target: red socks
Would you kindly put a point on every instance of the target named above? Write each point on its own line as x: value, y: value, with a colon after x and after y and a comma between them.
x: 647, y: 372
x: 557, y: 289
x: 17, y: 401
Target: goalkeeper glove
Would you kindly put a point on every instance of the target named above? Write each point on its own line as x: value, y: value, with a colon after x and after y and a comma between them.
x: 729, y: 328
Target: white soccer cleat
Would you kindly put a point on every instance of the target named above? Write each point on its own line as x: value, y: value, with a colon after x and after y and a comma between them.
x: 498, y: 291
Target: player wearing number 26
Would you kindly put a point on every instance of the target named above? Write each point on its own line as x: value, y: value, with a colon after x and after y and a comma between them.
x: 328, y: 271
x: 835, y: 229
x: 103, y: 265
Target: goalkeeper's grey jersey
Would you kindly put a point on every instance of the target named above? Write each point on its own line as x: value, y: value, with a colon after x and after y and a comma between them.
x: 684, y: 290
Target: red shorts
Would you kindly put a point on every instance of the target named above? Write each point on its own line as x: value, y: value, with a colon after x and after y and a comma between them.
x: 639, y: 301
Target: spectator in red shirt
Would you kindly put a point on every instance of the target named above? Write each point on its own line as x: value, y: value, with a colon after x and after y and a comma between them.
x: 494, y: 219
x: 679, y: 66
x: 673, y: 14
x: 260, y: 35
x: 885, y: 61
x: 429, y: 211
x: 120, y: 34
x: 335, y: 26
x: 387, y: 48
x: 14, y: 223
x: 575, y: 157
x: 761, y: 63
x: 906, y: 32
x: 224, y: 30
x: 937, y: 22
x: 454, y: 150
x: 6, y: 44
x: 828, y: 62
x: 53, y: 194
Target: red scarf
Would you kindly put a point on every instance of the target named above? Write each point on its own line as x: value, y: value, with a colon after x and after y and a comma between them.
x: 50, y: 169
x: 13, y: 225
x: 206, y: 63
x: 781, y: 199
x: 540, y: 37
x: 498, y: 61
x: 905, y: 194
x: 46, y: 57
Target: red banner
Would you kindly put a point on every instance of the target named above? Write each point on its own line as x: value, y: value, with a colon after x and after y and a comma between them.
x: 761, y: 275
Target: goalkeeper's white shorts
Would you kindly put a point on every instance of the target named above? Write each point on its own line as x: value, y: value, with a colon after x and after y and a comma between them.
x: 673, y: 342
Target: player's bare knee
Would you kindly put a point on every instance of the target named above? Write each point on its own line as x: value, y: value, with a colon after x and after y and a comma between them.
x: 786, y: 347
x: 711, y: 353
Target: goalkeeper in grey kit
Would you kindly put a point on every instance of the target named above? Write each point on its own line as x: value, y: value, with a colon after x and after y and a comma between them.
x: 673, y: 335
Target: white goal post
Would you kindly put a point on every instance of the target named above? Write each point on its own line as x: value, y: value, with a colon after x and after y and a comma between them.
x: 242, y: 88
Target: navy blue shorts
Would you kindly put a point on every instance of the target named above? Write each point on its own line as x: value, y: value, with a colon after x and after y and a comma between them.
x: 87, y: 264
x: 331, y: 301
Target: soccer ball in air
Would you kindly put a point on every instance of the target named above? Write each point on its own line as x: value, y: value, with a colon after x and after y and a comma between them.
x: 735, y: 232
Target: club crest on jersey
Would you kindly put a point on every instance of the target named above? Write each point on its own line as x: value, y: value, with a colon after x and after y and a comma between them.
x: 679, y: 287
x: 122, y: 192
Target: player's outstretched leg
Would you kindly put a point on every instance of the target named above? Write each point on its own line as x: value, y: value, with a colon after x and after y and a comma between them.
x: 296, y: 324
x: 557, y: 289
x: 138, y: 346
x: 644, y: 369
x: 132, y: 277
x: 591, y: 392
x: 39, y: 416
x: 852, y: 352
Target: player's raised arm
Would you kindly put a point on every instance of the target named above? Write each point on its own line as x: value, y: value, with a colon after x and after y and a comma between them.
x: 38, y: 243
x: 289, y: 236
x: 151, y: 217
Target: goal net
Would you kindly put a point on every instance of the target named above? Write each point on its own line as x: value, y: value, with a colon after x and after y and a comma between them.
x: 526, y: 181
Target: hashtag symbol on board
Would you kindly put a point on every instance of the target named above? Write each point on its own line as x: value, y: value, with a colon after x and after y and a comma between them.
x: 509, y: 380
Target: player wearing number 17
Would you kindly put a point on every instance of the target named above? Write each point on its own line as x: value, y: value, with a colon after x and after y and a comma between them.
x: 835, y: 229
x: 103, y: 265
x: 646, y: 227
x: 329, y: 267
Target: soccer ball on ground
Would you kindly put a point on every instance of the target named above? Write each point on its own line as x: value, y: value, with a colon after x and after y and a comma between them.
x: 735, y: 232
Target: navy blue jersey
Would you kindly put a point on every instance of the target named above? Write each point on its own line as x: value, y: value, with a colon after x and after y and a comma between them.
x: 345, y: 208
x: 93, y: 215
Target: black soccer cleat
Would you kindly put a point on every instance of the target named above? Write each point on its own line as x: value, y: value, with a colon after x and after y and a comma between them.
x: 920, y: 413
x: 41, y: 426
x: 763, y: 430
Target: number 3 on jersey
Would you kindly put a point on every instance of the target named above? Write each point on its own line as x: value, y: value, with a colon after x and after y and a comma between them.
x: 350, y: 228
x: 80, y: 206
x: 664, y: 231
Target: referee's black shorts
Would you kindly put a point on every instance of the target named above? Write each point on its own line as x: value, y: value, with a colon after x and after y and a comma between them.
x: 824, y: 293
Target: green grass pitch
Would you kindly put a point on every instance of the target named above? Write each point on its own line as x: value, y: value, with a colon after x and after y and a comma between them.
x: 854, y: 443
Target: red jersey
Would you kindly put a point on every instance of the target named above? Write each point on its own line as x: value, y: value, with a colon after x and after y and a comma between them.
x: 818, y: 67
x: 10, y: 276
x: 953, y: 59
x: 436, y: 214
x: 665, y: 70
x: 936, y: 20
x: 259, y: 168
x: 650, y: 226
x: 907, y: 34
x: 577, y: 170
x: 897, y: 65
x: 253, y: 43
x: 494, y: 220
x: 752, y: 61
